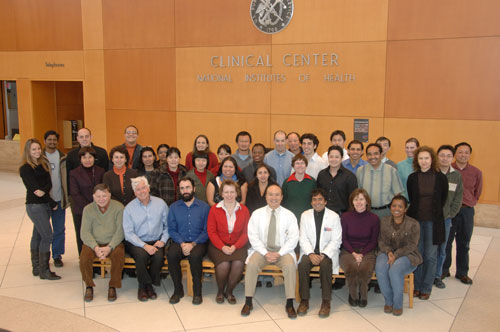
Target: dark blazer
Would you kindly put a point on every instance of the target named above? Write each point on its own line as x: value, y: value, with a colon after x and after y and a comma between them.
x: 73, y: 161
x: 135, y: 157
x: 82, y: 186
x: 438, y: 201
x: 113, y: 181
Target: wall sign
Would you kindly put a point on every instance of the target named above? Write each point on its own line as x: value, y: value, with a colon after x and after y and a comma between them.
x: 271, y: 16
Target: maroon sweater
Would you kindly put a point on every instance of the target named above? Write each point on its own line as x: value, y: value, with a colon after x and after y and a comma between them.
x: 360, y: 231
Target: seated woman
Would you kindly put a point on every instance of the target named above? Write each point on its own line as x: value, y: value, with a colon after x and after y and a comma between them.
x: 298, y: 187
x: 200, y: 175
x: 228, y: 171
x: 201, y: 144
x: 227, y: 230
x: 147, y: 162
x: 161, y: 151
x: 223, y: 151
x: 360, y: 230
x: 398, y: 255
x: 257, y: 188
x: 118, y: 178
x: 82, y: 181
x: 164, y: 180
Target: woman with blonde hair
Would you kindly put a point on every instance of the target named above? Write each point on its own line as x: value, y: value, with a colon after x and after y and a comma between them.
x: 35, y: 174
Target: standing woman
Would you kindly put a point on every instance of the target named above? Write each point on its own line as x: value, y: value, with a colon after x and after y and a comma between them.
x: 257, y: 188
x: 399, y: 255
x: 200, y: 175
x: 298, y: 187
x: 360, y: 230
x: 223, y: 151
x: 161, y: 151
x: 427, y: 190
x: 405, y: 167
x: 228, y: 171
x: 147, y: 162
x: 201, y: 144
x: 36, y: 178
x: 118, y: 178
x: 164, y: 180
x: 227, y: 229
x: 82, y: 181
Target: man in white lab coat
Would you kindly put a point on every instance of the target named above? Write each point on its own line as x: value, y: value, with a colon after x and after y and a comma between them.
x: 273, y: 233
x: 320, y: 239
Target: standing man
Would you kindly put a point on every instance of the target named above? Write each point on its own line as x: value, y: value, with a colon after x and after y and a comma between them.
x: 463, y: 223
x: 242, y: 155
x: 258, y: 152
x: 293, y: 142
x: 133, y: 149
x: 337, y: 182
x: 337, y: 138
x: 102, y: 236
x: 146, y: 233
x: 187, y: 225
x: 385, y: 143
x: 59, y: 193
x: 451, y: 207
x: 315, y: 163
x: 355, y: 150
x: 280, y: 158
x: 320, y: 240
x: 273, y: 233
x: 380, y: 180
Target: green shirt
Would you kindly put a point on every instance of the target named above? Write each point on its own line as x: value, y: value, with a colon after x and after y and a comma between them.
x: 102, y: 228
x: 297, y: 195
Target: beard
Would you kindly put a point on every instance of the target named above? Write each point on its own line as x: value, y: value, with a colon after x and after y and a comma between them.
x: 186, y: 197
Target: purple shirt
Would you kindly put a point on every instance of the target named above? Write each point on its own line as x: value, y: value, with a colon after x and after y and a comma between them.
x: 472, y: 179
x: 360, y: 231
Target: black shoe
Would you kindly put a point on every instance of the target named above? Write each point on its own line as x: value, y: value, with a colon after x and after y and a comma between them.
x: 464, y: 279
x: 363, y: 303
x: 245, y: 311
x: 445, y: 275
x: 269, y: 284
x: 439, y: 283
x: 259, y: 283
x: 176, y: 298
x: 44, y: 267
x: 35, y: 262
x: 58, y: 262
x: 353, y: 302
x: 197, y: 299
x: 151, y: 292
x: 377, y: 289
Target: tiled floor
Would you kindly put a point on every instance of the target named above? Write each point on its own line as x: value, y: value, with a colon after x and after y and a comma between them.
x: 127, y: 314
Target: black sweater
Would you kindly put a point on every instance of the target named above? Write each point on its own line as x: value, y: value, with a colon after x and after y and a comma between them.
x: 36, y: 178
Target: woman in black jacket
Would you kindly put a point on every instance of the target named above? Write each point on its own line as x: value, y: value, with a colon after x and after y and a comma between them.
x: 36, y: 178
x: 427, y: 190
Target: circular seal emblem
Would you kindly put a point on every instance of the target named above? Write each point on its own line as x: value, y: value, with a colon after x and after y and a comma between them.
x: 271, y: 16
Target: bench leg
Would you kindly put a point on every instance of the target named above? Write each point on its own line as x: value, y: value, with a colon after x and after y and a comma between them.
x: 410, y: 289
x: 297, y: 293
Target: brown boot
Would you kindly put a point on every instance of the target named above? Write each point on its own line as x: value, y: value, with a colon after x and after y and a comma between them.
x: 324, y: 311
x: 303, y: 307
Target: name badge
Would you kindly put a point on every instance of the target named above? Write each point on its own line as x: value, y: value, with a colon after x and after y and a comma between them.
x: 327, y: 229
x: 452, y: 186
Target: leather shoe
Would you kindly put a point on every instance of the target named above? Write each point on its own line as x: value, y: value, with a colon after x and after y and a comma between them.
x: 291, y: 312
x: 303, y: 307
x: 176, y: 298
x: 424, y: 296
x: 397, y: 312
x: 353, y: 302
x: 58, y: 262
x: 219, y: 298
x: 151, y: 292
x: 363, y: 303
x: 387, y: 309
x: 111, y: 294
x: 465, y: 279
x: 197, y: 299
x: 245, y: 311
x: 416, y: 293
x: 89, y: 294
x: 230, y: 298
x: 324, y: 311
x: 142, y: 295
x: 439, y: 283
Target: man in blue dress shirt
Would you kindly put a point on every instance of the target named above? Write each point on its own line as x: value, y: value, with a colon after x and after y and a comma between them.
x: 187, y: 225
x: 280, y: 158
x: 146, y: 233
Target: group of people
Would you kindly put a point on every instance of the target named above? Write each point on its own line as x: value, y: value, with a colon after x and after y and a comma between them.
x: 258, y: 206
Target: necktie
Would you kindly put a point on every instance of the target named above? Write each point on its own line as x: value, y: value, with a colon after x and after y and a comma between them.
x: 271, y: 233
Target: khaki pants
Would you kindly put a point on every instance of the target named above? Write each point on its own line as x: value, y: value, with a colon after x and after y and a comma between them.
x: 117, y: 257
x: 285, y: 263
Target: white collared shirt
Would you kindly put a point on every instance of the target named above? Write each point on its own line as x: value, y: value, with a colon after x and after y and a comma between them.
x: 231, y: 219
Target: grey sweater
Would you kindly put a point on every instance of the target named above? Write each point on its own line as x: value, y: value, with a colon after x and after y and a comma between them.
x: 102, y: 228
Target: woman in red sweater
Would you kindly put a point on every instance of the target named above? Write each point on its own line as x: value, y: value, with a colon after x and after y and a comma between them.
x: 227, y: 230
x: 201, y: 144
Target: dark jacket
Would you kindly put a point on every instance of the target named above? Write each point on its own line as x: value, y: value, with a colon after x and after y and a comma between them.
x: 438, y: 201
x: 37, y: 179
x: 113, y: 181
x: 135, y: 157
x: 73, y: 161
x: 401, y: 242
x: 162, y: 184
x: 82, y: 186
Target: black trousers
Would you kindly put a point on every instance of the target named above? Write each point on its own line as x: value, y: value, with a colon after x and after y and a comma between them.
x: 142, y: 259
x: 175, y: 255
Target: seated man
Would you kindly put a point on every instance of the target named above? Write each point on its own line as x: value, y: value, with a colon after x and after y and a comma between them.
x: 273, y: 233
x: 102, y: 237
x: 187, y: 225
x: 146, y: 233
x: 320, y: 239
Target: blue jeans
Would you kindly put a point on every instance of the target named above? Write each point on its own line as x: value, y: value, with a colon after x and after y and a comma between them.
x: 41, y: 238
x: 425, y: 272
x: 441, y: 254
x: 391, y: 278
x: 58, y: 225
x: 461, y: 229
